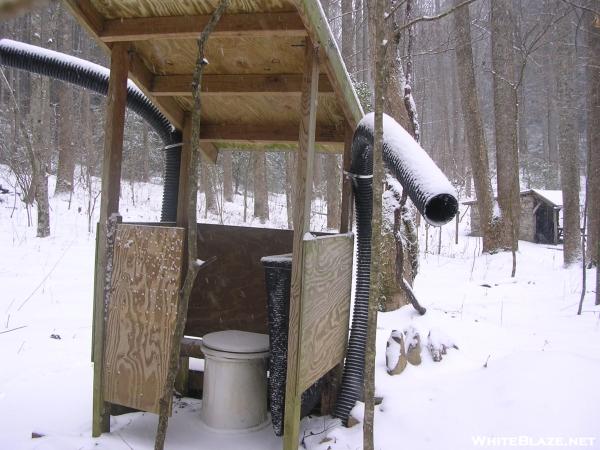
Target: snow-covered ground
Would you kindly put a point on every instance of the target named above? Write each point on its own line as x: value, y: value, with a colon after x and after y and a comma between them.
x: 526, y: 371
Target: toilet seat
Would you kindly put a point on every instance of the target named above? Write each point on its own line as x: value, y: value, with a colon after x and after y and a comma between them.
x: 235, y: 341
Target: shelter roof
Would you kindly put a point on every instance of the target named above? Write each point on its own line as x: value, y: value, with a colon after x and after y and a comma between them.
x: 551, y: 197
x: 251, y: 87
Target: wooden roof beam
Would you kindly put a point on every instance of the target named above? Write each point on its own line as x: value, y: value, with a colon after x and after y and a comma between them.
x: 181, y: 85
x: 186, y: 27
x: 268, y: 133
x: 95, y: 23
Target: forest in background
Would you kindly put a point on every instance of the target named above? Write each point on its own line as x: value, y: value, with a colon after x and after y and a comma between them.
x: 505, y: 97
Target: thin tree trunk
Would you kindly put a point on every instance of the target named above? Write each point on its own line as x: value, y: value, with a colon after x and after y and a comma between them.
x: 66, y: 150
x: 377, y: 21
x: 261, y: 199
x: 474, y: 128
x: 227, y: 159
x: 593, y: 133
x: 332, y: 169
x: 506, y: 119
x: 568, y: 140
x: 192, y: 244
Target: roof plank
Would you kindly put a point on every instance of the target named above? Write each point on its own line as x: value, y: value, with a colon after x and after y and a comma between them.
x: 186, y: 27
x: 181, y: 85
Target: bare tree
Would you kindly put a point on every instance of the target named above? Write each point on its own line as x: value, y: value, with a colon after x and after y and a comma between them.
x: 474, y: 132
x: 567, y: 137
x: 261, y: 197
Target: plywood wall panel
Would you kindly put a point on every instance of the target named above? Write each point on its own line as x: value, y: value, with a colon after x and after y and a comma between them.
x: 141, y: 314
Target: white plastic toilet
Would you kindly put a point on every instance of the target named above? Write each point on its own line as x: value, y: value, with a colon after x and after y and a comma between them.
x: 234, y: 394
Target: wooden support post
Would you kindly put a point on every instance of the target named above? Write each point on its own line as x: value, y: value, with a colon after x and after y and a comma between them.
x: 346, y: 210
x: 304, y: 176
x: 109, y: 204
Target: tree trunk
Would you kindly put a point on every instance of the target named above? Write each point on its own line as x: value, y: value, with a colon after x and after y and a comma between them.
x: 333, y: 172
x: 506, y: 120
x: 551, y: 175
x: 39, y: 111
x: 568, y: 139
x: 66, y: 151
x: 207, y: 182
x: 348, y: 35
x: 261, y: 199
x: 227, y: 176
x: 290, y: 170
x: 474, y: 128
x: 593, y: 130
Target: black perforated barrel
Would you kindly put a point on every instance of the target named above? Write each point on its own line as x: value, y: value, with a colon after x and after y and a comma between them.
x: 278, y: 274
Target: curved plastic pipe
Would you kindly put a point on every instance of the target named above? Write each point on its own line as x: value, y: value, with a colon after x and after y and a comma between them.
x: 432, y: 194
x: 95, y: 78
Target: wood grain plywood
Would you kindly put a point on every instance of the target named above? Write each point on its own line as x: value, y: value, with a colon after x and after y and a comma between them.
x: 325, y: 314
x: 230, y: 293
x: 226, y: 55
x: 114, y: 9
x: 141, y: 314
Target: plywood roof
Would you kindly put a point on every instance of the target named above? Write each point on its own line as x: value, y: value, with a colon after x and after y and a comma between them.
x: 251, y: 90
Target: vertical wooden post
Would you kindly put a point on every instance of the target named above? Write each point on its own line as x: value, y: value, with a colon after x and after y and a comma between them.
x: 302, y: 199
x: 346, y: 210
x: 114, y: 126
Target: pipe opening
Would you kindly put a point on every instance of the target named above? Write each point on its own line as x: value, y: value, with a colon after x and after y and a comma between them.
x: 440, y: 209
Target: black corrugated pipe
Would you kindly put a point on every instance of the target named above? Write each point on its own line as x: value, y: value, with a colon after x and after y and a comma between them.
x: 429, y: 190
x: 95, y: 78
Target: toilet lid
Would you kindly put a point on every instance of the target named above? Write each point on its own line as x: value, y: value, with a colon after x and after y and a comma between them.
x: 235, y: 341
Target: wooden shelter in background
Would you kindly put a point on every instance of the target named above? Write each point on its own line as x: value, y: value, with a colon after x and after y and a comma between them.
x: 539, y: 219
x: 275, y: 81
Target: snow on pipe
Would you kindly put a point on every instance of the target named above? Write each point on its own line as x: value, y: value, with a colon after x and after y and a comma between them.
x: 95, y: 78
x: 429, y: 190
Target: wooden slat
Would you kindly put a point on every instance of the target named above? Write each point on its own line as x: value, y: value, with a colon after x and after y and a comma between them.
x: 142, y: 314
x: 326, y: 286
x: 317, y: 25
x: 190, y: 27
x: 302, y: 200
x: 181, y: 85
x: 114, y: 126
x: 268, y: 133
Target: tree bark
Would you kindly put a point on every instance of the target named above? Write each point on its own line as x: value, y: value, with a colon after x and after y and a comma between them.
x: 568, y: 140
x: 290, y: 170
x: 506, y: 120
x: 208, y: 186
x: 261, y: 199
x: 66, y: 150
x: 227, y: 175
x: 333, y: 172
x: 478, y: 155
x: 593, y: 133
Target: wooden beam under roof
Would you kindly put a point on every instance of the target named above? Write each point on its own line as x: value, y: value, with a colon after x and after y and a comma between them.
x: 181, y: 85
x: 190, y: 27
x: 267, y: 133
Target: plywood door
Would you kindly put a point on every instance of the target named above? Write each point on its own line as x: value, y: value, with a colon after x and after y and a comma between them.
x: 141, y: 314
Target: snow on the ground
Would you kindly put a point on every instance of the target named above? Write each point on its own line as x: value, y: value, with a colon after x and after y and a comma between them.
x: 527, y: 366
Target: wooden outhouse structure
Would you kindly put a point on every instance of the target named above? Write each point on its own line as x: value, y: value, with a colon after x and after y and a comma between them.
x: 539, y: 219
x: 275, y: 80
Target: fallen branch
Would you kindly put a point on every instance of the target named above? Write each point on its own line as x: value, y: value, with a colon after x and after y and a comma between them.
x: 12, y: 329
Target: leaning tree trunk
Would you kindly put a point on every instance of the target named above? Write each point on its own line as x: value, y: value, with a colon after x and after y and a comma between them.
x: 568, y: 140
x: 505, y: 115
x: 478, y: 155
x: 593, y: 130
